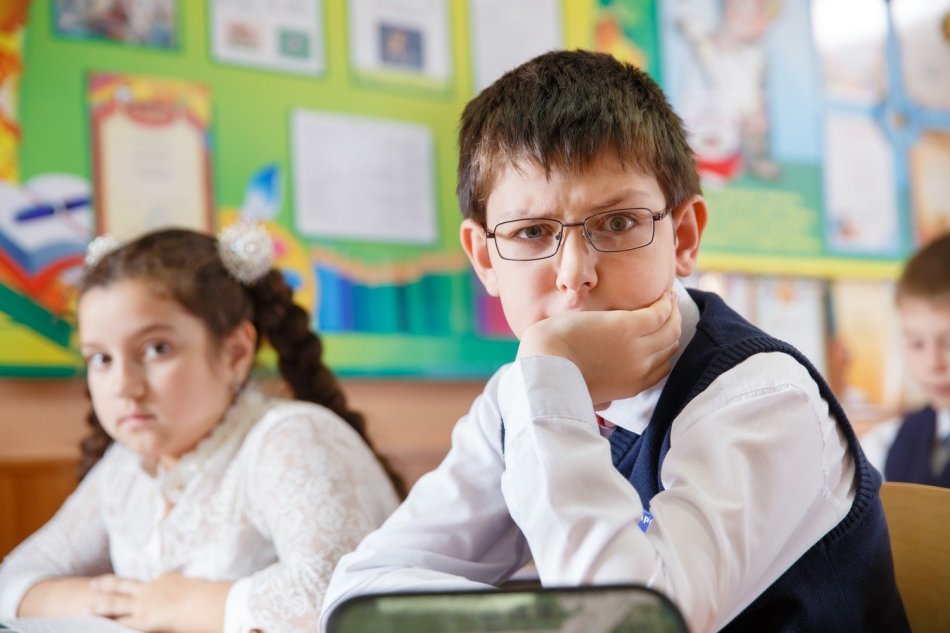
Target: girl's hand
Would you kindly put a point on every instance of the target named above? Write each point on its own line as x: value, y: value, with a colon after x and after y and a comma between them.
x: 171, y: 602
x: 619, y: 352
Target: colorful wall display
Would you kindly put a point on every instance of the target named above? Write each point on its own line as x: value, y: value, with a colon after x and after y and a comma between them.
x: 820, y: 128
x: 823, y: 152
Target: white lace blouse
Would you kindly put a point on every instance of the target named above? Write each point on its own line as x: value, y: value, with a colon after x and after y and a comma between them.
x: 276, y: 494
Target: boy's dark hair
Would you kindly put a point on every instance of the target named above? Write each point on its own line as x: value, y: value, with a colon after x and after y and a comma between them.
x: 927, y: 273
x: 185, y: 266
x: 563, y: 110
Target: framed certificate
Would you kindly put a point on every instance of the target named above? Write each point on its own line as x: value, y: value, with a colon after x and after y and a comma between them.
x: 151, y: 163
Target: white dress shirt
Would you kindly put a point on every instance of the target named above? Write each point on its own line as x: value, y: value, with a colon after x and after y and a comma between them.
x: 757, y: 473
x: 271, y: 499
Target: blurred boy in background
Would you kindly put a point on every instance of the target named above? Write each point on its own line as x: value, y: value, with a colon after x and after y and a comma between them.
x: 917, y: 448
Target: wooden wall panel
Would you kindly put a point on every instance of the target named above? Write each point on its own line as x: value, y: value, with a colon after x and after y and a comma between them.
x: 41, y: 423
x: 30, y: 493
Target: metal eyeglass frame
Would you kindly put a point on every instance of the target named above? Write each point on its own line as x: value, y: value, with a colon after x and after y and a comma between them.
x: 656, y: 215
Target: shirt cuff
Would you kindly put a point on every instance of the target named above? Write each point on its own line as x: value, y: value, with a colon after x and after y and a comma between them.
x: 237, y: 616
x: 13, y: 591
x: 543, y: 387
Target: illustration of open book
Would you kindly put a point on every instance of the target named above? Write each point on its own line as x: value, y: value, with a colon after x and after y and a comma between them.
x: 45, y: 222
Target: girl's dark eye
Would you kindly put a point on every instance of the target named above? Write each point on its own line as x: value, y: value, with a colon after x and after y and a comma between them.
x: 96, y: 360
x: 157, y: 349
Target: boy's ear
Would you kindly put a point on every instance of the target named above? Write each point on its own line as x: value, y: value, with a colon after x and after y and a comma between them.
x: 239, y: 349
x: 689, y: 220
x: 472, y: 236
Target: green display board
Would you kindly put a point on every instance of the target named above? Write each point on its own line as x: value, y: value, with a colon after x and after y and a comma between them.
x: 337, y: 128
x: 385, y: 306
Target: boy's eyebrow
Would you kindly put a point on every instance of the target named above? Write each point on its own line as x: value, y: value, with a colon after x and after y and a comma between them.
x: 628, y: 199
x: 624, y: 198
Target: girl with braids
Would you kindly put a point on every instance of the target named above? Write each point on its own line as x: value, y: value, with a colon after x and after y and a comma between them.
x: 205, y: 505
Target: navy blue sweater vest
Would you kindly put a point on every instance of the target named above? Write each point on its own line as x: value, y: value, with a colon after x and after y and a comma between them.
x: 910, y: 456
x: 845, y: 582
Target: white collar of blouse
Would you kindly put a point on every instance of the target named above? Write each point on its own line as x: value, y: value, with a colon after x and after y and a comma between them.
x: 214, y: 451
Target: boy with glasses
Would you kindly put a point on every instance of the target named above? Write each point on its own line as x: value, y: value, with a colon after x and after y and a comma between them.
x: 718, y: 467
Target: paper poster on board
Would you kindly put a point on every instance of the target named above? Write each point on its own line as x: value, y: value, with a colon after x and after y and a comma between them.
x: 151, y: 162
x: 504, y: 34
x: 151, y: 23
x: 284, y: 36
x: 887, y: 82
x: 751, y: 102
x: 363, y: 179
x: 865, y: 325
x: 401, y: 40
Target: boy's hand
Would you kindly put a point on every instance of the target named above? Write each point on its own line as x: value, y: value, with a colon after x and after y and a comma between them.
x: 171, y: 602
x: 619, y: 352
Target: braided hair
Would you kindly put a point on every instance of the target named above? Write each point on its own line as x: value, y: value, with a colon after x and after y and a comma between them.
x: 185, y: 266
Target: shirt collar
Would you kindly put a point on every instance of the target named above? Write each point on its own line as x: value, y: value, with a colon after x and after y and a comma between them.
x: 633, y: 414
x: 943, y: 424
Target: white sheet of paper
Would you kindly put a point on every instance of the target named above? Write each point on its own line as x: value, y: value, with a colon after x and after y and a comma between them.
x: 364, y: 179
x: 860, y: 186
x: 403, y: 35
x: 285, y: 35
x: 851, y: 40
x: 925, y: 53
x: 83, y: 624
x: 793, y: 310
x: 505, y: 34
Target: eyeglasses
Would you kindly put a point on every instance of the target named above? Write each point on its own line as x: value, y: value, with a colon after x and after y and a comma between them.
x: 609, y: 232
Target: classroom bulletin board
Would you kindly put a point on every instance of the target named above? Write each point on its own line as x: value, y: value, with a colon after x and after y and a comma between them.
x: 824, y: 152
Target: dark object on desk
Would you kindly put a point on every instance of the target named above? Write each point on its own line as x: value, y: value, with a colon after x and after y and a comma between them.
x: 603, y: 609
